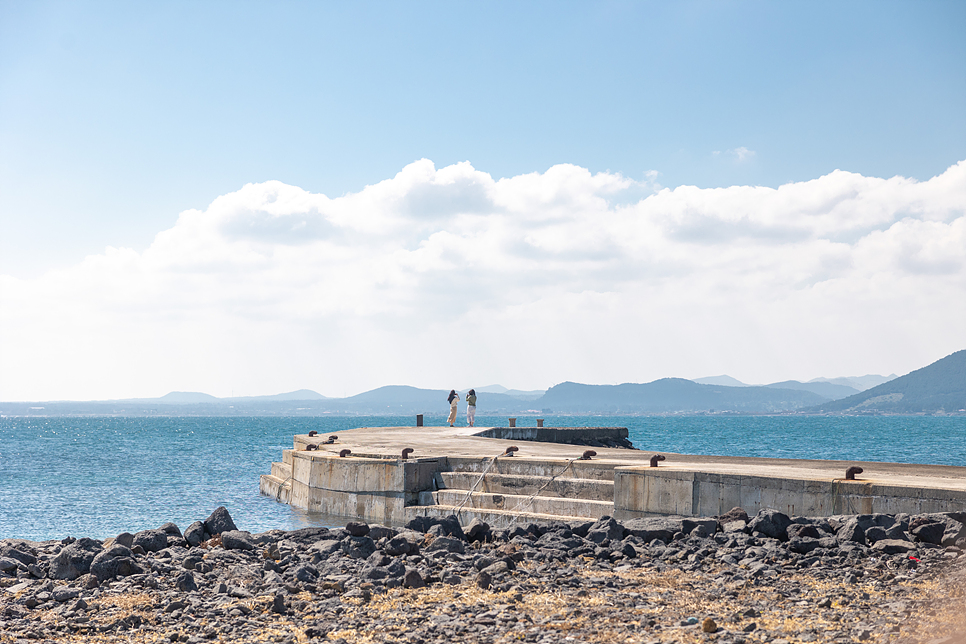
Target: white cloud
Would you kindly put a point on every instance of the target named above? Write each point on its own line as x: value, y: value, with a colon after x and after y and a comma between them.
x: 742, y: 153
x: 439, y: 277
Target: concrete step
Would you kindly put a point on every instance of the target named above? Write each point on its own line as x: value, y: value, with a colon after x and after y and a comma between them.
x: 521, y: 465
x: 277, y: 488
x: 568, y: 488
x: 497, y: 519
x: 282, y: 470
x: 522, y: 503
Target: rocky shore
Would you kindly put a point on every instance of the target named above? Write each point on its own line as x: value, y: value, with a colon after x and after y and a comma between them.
x: 729, y: 579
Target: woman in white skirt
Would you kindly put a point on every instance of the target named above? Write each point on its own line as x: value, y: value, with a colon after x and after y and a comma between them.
x: 471, y: 407
x: 454, y: 398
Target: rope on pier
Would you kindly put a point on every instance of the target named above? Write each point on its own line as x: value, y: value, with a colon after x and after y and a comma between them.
x: 530, y: 498
x: 478, y: 481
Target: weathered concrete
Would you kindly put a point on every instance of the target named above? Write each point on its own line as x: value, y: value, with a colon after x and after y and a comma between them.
x: 451, y: 468
x: 657, y: 491
x: 562, y: 435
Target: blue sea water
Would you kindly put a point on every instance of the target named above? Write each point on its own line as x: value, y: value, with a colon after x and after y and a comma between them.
x: 99, y: 476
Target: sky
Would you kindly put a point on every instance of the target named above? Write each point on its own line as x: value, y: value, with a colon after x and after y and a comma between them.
x: 249, y: 198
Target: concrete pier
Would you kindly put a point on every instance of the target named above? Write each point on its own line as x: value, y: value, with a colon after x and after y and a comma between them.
x: 461, y: 470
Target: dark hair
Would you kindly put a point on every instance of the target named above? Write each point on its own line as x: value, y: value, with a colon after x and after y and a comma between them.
x: 452, y: 394
x: 472, y: 392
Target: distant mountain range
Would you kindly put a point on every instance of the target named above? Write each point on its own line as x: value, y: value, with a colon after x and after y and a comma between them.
x: 841, y: 387
x: 940, y: 386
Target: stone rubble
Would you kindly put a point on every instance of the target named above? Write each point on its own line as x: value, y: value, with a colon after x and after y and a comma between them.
x: 732, y: 579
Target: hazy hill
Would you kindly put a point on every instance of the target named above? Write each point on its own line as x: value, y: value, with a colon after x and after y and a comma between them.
x: 516, y: 393
x: 727, y: 381
x: 860, y: 383
x: 939, y: 386
x: 186, y: 397
x: 301, y: 394
x: 823, y: 389
x: 671, y: 395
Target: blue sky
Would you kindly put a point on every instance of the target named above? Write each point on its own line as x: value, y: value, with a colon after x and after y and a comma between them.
x: 114, y: 117
x: 117, y: 117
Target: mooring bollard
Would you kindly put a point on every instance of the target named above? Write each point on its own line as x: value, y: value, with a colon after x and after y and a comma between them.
x: 419, y: 420
x: 513, y: 422
x: 539, y: 422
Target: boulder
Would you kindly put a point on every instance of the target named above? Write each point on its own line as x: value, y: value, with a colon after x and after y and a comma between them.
x: 803, y: 531
x: 185, y: 582
x: 734, y: 514
x: 195, y: 534
x: 867, y: 521
x: 172, y: 529
x: 735, y: 526
x: 930, y: 532
x: 700, y: 528
x: 308, y: 536
x: 397, y: 546
x: 306, y: 574
x: 478, y: 531
x: 605, y: 528
x: 75, y: 560
x: 450, y: 526
x: 422, y: 524
x: 358, y: 547
x: 878, y: 533
x: 357, y: 528
x: 653, y: 528
x: 237, y: 540
x: 151, y: 540
x: 9, y: 564
x: 771, y: 523
x: 803, y: 545
x: 125, y: 539
x: 894, y: 546
x: 20, y: 554
x: 62, y: 594
x: 377, y: 532
x: 219, y: 521
x: 326, y: 547
x: 447, y: 544
x: 115, y: 561
x: 412, y: 579
x: 851, y: 532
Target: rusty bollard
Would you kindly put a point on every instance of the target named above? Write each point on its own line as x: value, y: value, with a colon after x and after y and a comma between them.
x: 509, y: 450
x: 587, y: 455
x: 345, y: 453
x: 655, y: 459
x: 313, y: 433
x: 851, y: 472
x: 406, y: 452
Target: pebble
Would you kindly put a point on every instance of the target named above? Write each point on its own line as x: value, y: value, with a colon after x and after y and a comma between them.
x: 438, y: 583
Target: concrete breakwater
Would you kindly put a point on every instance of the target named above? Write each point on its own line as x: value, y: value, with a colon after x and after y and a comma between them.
x: 491, y: 475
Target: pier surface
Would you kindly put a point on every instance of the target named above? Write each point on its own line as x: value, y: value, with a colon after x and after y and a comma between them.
x: 456, y: 470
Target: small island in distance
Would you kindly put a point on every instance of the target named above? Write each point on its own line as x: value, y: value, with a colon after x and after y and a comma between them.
x: 939, y: 388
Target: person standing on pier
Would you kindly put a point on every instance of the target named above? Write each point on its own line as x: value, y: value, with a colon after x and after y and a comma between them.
x: 471, y: 407
x: 454, y: 398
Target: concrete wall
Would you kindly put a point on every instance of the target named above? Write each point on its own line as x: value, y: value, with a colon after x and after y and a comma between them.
x: 563, y: 435
x: 645, y: 491
x: 374, y: 489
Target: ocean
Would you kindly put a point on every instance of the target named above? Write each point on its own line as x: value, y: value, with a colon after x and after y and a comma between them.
x: 100, y: 476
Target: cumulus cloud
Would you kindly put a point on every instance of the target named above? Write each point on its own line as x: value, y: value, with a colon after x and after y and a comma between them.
x: 449, y: 277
